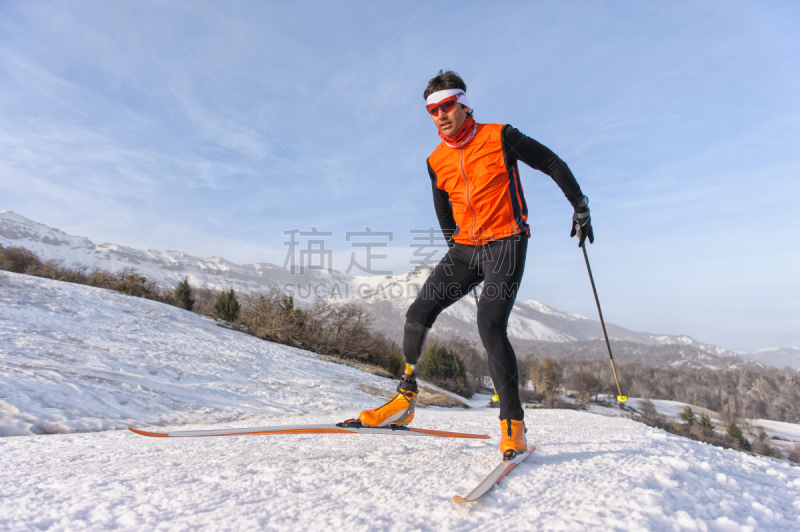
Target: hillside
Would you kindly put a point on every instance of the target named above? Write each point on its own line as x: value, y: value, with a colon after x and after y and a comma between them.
x: 167, y: 268
x: 74, y: 358
x: 77, y: 359
x: 534, y: 327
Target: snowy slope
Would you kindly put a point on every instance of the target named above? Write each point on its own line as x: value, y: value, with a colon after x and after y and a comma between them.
x: 77, y: 358
x: 783, y: 435
x: 387, y: 297
x: 589, y: 473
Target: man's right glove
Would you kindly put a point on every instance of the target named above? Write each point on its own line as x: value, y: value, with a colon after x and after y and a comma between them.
x: 582, y: 223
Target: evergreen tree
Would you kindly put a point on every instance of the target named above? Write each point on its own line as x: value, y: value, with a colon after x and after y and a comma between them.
x: 688, y: 415
x: 396, y: 363
x: 183, y: 293
x: 705, y: 422
x: 227, y: 306
x: 734, y: 431
x: 443, y: 366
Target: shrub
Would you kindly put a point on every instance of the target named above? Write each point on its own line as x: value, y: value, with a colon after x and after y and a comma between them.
x: 762, y: 446
x: 227, y: 306
x: 204, y: 301
x: 18, y: 260
x: 126, y: 281
x: 547, y: 376
x: 586, y: 384
x: 648, y: 409
x: 553, y: 401
x: 443, y: 367
x: 530, y: 396
x: 794, y: 454
x: 183, y: 294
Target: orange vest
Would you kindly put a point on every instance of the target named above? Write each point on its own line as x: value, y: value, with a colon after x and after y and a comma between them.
x: 485, y: 194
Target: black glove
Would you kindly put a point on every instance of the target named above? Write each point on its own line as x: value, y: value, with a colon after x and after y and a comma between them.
x: 582, y: 222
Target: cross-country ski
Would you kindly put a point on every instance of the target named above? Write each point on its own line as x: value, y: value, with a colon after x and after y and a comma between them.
x: 340, y: 428
x: 494, y: 477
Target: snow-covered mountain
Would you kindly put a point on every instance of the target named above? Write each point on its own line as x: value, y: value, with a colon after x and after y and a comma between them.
x: 167, y: 268
x: 535, y: 328
x: 387, y: 297
x: 530, y: 320
x: 779, y: 357
x: 76, y: 361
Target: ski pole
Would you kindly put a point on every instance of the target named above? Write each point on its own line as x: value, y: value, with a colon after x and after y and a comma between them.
x: 621, y: 398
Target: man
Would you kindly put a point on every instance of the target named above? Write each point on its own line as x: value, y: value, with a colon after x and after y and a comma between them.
x: 478, y: 199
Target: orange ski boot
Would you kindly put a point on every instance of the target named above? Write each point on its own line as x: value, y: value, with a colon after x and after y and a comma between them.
x: 512, y: 440
x: 400, y: 408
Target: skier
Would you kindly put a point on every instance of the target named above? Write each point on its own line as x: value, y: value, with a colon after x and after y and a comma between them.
x: 482, y: 212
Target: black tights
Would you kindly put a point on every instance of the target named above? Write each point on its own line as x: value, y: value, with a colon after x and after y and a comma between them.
x: 499, y: 264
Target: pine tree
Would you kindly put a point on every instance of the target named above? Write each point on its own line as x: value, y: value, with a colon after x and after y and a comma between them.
x: 226, y: 307
x: 688, y: 415
x: 183, y: 293
x: 734, y: 431
x: 396, y: 363
x: 705, y: 422
x: 444, y: 367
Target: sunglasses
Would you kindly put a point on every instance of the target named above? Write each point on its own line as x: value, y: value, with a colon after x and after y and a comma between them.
x: 445, y: 106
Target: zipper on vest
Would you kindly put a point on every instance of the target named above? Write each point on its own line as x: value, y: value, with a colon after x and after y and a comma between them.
x: 469, y: 201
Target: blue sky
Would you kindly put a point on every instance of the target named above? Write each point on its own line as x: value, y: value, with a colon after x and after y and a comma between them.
x: 214, y: 127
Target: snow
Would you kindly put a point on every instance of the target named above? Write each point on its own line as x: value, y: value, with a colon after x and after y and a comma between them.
x: 544, y: 309
x: 74, y: 359
x: 781, y: 429
x: 672, y: 409
x: 527, y: 329
x: 588, y: 473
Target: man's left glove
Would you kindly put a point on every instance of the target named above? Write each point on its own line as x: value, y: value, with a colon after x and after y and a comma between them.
x: 582, y: 222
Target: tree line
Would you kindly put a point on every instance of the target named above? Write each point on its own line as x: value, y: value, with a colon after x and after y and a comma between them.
x: 756, y: 393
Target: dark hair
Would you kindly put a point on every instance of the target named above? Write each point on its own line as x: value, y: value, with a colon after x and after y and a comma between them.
x: 443, y: 81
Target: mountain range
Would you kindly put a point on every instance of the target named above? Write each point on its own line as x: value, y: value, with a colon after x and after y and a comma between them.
x: 533, y: 328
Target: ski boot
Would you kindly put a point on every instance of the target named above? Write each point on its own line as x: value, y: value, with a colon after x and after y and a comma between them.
x: 400, y: 408
x: 512, y: 440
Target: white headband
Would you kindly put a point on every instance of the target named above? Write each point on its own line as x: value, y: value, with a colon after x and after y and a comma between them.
x: 438, y: 96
